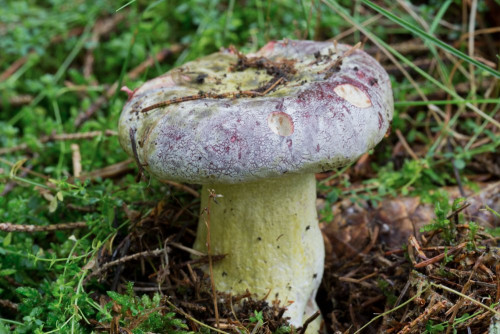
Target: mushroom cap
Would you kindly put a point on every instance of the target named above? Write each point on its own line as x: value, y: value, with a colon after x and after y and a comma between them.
x: 313, y: 122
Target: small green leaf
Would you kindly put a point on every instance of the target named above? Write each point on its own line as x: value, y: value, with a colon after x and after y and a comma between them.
x: 28, y: 292
x: 16, y: 167
x: 53, y: 205
x: 7, y: 272
x: 457, y: 203
x: 459, y: 163
x: 7, y: 240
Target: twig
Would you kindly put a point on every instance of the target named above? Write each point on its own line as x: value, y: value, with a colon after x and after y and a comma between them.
x: 333, y: 67
x: 160, y: 56
x: 411, y: 46
x: 110, y: 171
x: 457, y: 211
x: 196, y: 281
x: 151, y: 289
x: 192, y: 306
x: 77, y: 31
x: 403, y: 293
x: 351, y: 30
x: 479, y: 318
x: 357, y: 280
x: 393, y: 309
x: 83, y: 117
x: 421, y: 319
x: 455, y: 308
x: 120, y: 251
x: 9, y: 227
x: 372, y: 300
x: 405, y: 145
x: 187, y: 249
x: 279, y: 70
x: 234, y: 313
x: 238, y: 94
x: 187, y: 316
x: 8, y: 304
x: 101, y: 27
x: 14, y: 67
x: 79, y: 135
x: 17, y: 100
x: 204, y: 259
x: 472, y: 68
x: 352, y: 314
x: 76, y: 158
x: 181, y: 187
x: 90, y: 208
x: 308, y: 321
x: 107, y: 265
x: 373, y: 239
x: 413, y: 241
x: 439, y: 257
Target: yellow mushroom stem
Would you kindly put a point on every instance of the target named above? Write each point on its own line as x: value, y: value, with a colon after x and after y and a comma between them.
x: 270, y: 235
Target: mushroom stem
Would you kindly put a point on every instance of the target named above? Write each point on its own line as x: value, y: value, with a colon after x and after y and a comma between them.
x: 270, y: 235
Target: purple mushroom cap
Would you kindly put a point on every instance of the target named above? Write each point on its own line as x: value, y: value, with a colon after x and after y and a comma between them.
x: 320, y: 118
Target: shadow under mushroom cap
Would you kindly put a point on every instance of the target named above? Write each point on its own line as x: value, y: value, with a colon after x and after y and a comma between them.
x: 310, y: 123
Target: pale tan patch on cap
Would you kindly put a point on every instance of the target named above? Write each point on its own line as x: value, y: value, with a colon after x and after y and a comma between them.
x: 280, y: 123
x: 353, y: 95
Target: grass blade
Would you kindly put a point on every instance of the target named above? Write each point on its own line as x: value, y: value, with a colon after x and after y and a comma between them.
x: 424, y: 35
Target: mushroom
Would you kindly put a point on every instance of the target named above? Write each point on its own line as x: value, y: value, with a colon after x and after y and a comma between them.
x: 255, y: 129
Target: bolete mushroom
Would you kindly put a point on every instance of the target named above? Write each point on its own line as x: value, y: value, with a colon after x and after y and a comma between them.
x: 255, y: 129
